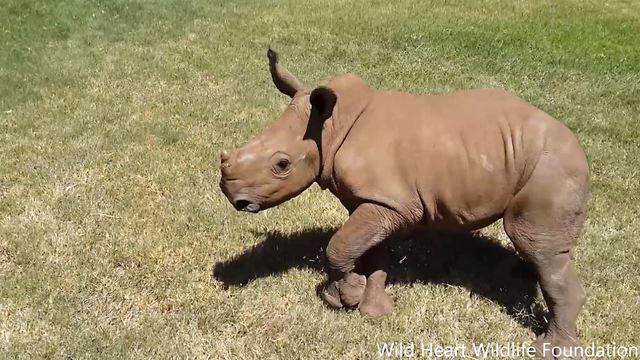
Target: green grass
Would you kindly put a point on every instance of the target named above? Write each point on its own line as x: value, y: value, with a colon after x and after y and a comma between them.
x: 112, y: 115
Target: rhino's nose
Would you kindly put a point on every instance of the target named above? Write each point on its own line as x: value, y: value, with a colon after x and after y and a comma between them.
x: 224, y: 156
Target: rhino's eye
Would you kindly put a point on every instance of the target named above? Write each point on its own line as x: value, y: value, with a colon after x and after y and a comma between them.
x: 282, y: 166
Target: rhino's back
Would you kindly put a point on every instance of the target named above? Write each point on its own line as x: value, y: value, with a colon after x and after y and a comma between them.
x: 453, y: 160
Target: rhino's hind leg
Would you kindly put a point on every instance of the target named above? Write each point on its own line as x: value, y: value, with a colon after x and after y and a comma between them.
x: 544, y: 221
x: 564, y: 296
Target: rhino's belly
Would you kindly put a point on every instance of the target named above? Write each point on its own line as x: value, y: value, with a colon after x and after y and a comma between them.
x: 469, y: 183
x: 466, y: 205
x: 463, y: 220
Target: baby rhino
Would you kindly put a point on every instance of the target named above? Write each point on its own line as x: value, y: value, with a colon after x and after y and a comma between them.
x: 398, y: 160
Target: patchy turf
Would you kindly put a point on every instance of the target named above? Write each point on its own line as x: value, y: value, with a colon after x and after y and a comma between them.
x: 112, y: 115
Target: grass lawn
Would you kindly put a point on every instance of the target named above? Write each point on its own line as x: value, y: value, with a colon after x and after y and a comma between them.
x: 112, y: 116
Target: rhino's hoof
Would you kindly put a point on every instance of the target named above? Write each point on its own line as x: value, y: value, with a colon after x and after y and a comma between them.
x: 331, y: 295
x: 555, y: 345
x: 375, y: 301
x: 351, y: 288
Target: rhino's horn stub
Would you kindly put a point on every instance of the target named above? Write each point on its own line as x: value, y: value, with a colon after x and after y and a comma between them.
x: 224, y: 156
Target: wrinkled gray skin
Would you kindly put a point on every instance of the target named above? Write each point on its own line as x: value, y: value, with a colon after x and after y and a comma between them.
x: 397, y: 161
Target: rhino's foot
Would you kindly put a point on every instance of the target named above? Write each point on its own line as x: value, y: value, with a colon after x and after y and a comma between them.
x: 351, y: 289
x: 331, y: 295
x: 550, y: 346
x: 375, y: 301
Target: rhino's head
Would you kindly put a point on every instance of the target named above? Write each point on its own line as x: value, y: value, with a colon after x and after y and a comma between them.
x: 286, y: 159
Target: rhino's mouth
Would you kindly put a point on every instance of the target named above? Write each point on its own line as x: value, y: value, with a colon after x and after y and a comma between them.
x: 241, y: 202
x: 246, y: 205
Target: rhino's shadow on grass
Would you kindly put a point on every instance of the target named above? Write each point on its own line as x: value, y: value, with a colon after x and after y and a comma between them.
x: 475, y: 262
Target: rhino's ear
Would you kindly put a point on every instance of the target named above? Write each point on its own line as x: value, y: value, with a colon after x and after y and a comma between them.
x: 322, y: 101
x: 282, y: 78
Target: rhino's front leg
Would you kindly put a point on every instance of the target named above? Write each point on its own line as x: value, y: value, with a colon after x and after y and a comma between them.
x: 366, y: 227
